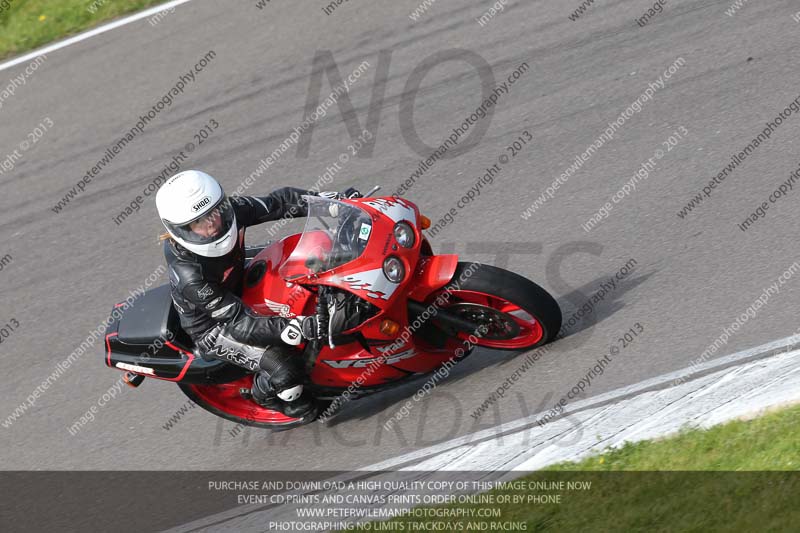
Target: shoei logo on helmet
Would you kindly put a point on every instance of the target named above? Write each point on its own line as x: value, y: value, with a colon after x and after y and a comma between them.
x: 201, y: 204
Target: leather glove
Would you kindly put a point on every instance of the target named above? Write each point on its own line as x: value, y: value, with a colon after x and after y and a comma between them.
x: 350, y: 192
x: 303, y: 327
x: 333, y: 208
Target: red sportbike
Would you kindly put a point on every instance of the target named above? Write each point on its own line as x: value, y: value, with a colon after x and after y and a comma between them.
x: 393, y: 309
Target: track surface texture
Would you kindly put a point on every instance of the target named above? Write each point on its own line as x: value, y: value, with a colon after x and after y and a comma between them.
x: 691, y: 276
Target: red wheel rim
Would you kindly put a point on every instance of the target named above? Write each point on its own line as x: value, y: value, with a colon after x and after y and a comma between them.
x: 225, y: 397
x: 530, y: 328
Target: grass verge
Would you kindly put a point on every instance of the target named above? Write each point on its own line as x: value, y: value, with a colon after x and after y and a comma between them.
x: 29, y: 24
x: 738, y: 476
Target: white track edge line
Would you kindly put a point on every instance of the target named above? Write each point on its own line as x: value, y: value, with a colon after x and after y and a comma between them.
x: 622, y: 391
x: 91, y: 33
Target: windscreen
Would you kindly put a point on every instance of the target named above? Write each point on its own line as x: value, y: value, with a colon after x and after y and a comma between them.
x: 335, y: 233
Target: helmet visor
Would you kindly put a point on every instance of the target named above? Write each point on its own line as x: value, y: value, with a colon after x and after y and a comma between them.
x: 208, y: 227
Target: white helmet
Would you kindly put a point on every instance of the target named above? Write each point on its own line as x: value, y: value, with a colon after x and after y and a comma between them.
x: 198, y: 215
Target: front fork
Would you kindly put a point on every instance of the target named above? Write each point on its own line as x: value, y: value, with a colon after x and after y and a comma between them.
x: 416, y: 309
x: 314, y: 346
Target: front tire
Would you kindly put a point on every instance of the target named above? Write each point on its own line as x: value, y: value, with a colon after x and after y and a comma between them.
x: 517, y: 313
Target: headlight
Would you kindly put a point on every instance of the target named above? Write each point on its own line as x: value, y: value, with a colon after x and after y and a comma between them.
x: 393, y: 269
x: 404, y: 234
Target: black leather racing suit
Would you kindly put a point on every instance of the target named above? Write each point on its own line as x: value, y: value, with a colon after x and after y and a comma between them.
x: 206, y: 293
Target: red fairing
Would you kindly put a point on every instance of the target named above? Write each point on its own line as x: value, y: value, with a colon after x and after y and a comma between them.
x: 392, y: 357
x: 273, y: 295
x: 363, y: 276
x: 432, y: 273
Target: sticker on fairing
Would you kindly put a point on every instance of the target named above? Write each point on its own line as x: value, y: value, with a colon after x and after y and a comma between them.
x: 366, y: 229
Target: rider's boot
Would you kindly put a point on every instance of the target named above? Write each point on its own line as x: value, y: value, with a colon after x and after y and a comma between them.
x: 277, y: 383
x: 292, y: 402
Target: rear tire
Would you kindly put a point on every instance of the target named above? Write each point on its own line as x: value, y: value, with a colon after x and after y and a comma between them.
x: 225, y: 401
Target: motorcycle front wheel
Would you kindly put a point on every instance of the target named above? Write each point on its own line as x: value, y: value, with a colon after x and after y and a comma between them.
x: 513, y: 312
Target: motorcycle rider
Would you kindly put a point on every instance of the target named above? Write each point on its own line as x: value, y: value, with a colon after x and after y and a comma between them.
x: 204, y: 250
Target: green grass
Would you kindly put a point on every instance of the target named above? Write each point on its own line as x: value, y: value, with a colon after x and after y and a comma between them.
x: 769, y: 442
x: 732, y: 477
x: 29, y: 24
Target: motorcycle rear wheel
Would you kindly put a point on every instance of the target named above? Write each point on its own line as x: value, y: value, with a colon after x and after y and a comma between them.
x: 224, y: 400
